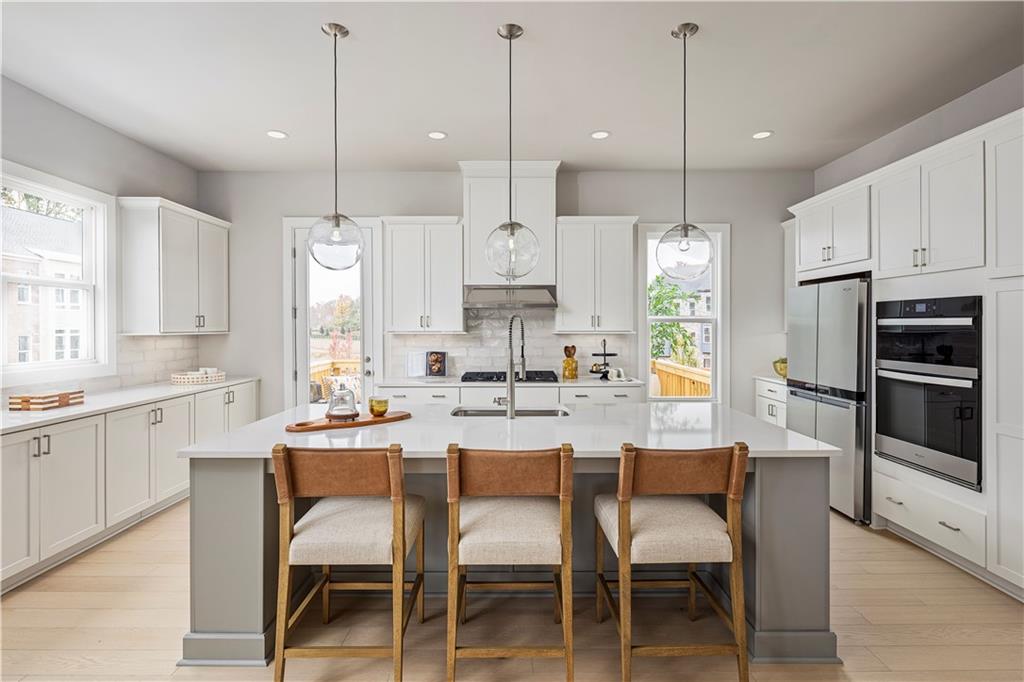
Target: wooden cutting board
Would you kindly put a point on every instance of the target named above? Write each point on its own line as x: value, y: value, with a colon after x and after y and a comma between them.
x: 361, y: 420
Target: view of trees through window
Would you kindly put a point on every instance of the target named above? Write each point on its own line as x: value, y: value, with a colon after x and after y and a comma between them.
x: 335, y: 330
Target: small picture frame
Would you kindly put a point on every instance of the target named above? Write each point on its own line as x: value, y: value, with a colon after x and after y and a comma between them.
x: 437, y: 363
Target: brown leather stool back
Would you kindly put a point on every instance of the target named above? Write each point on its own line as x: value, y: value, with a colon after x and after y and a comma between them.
x: 357, y: 472
x: 503, y: 473
x: 644, y: 471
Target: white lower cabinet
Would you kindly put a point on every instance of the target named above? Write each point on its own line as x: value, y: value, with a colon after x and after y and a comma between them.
x: 601, y: 395
x: 526, y: 395
x: 421, y: 395
x: 243, y: 405
x: 19, y: 506
x: 71, y: 490
x: 129, y: 462
x: 770, y: 402
x: 223, y: 409
x: 172, y: 432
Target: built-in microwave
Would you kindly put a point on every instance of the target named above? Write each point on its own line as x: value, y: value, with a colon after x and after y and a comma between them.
x: 928, y: 386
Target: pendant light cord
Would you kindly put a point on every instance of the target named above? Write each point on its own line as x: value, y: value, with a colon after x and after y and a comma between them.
x: 335, y: 125
x: 684, y: 128
x: 510, y: 129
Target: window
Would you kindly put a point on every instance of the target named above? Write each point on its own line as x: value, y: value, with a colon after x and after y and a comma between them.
x: 684, y: 333
x: 57, y: 263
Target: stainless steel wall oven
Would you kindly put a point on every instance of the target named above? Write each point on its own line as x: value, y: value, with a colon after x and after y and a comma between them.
x: 928, y: 386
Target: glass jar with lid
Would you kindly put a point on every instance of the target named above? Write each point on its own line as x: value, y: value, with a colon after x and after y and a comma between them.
x: 342, y: 406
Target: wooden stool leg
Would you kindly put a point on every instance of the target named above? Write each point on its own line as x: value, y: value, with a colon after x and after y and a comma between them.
x: 691, y: 597
x: 419, y: 572
x: 599, y: 569
x: 739, y: 617
x: 557, y: 570
x: 566, y: 578
x: 453, y: 589
x: 397, y: 611
x: 463, y: 594
x: 284, y: 590
x: 626, y: 618
x: 325, y: 605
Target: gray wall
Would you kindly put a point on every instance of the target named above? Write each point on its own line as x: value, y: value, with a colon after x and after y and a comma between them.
x: 41, y: 134
x: 753, y: 202
x: 993, y: 99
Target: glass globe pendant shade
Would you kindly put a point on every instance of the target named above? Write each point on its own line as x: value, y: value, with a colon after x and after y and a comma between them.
x: 684, y: 252
x: 335, y: 242
x: 512, y: 250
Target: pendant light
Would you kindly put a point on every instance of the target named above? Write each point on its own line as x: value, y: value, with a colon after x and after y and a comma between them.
x: 512, y: 249
x: 335, y: 241
x: 685, y: 251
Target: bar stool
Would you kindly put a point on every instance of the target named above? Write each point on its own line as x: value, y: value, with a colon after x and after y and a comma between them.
x: 656, y: 518
x: 509, y: 516
x: 352, y: 523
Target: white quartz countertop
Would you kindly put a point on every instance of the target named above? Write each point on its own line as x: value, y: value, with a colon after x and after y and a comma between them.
x: 595, y: 431
x: 108, y: 401
x: 771, y: 378
x: 455, y: 381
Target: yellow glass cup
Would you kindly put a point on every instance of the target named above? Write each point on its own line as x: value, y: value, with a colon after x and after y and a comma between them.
x: 378, y: 406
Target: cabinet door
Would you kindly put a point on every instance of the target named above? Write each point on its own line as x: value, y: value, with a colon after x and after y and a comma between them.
x: 71, y: 485
x: 179, y: 272
x: 172, y: 432
x: 953, y: 234
x: 896, y: 220
x: 1004, y: 201
x: 534, y: 206
x: 851, y: 227
x: 211, y: 414
x: 763, y: 410
x: 242, y: 409
x: 614, y: 284
x: 779, y: 409
x: 444, y: 278
x: 814, y: 234
x: 19, y: 506
x: 485, y: 206
x: 213, y: 277
x: 406, y: 297
x: 576, y: 278
x: 129, y: 472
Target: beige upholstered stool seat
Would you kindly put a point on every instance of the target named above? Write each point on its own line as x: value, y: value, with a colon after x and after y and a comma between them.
x: 667, y: 529
x: 510, y: 531
x: 352, y: 530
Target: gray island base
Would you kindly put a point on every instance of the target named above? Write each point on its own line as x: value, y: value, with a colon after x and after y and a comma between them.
x: 233, y: 531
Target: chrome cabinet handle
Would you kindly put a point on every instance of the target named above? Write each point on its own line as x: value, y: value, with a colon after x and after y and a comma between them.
x: 581, y: 395
x: 924, y: 260
x: 197, y: 322
x: 598, y: 320
x: 946, y: 525
x: 232, y: 393
x: 227, y: 397
x: 152, y: 417
x: 823, y: 259
x: 159, y: 415
x: 894, y: 501
x: 39, y: 448
x: 621, y: 395
x: 915, y: 257
x: 400, y: 395
x: 428, y: 320
x: 46, y: 448
x: 436, y: 395
x: 592, y: 321
x: 830, y: 253
x: 771, y: 412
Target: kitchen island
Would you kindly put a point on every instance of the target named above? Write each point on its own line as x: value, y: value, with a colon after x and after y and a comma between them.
x: 233, y: 531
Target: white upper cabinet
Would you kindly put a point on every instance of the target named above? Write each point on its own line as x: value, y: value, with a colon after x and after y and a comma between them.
x: 485, y: 206
x: 834, y: 232
x: 953, y: 210
x: 595, y: 275
x: 174, y: 269
x: 1004, y: 200
x: 423, y: 274
x: 896, y: 216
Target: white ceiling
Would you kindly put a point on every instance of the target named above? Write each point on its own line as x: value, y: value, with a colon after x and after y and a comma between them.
x: 203, y: 82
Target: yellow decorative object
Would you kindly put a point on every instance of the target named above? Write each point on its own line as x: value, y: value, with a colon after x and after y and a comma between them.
x: 378, y: 406
x: 781, y: 367
x: 570, y: 366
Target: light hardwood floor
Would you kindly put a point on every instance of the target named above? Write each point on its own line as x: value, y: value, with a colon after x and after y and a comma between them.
x: 118, y: 613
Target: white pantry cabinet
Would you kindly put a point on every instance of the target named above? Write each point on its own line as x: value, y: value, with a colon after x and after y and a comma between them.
x: 1004, y: 200
x: 223, y: 409
x: 71, y: 490
x: 423, y: 271
x: 485, y: 206
x: 595, y: 274
x: 174, y: 268
x: 834, y: 232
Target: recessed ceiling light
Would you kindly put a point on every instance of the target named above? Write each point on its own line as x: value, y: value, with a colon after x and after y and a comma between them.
x: 763, y: 134
x: 277, y: 134
x: 437, y: 134
x: 600, y: 134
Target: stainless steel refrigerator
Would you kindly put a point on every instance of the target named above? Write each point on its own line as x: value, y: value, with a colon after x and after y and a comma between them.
x: 828, y: 385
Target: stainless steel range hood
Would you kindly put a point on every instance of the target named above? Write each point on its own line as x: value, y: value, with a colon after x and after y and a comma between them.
x: 505, y: 297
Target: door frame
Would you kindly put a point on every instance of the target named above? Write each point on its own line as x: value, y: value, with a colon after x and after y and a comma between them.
x: 289, y: 303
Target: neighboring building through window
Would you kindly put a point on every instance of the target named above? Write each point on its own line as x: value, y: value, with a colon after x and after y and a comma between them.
x: 24, y: 349
x: 24, y: 296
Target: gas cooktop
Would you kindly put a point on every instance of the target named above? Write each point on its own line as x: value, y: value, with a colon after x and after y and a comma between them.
x: 532, y: 375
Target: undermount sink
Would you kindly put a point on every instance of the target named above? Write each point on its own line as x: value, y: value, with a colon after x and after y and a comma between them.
x: 501, y: 412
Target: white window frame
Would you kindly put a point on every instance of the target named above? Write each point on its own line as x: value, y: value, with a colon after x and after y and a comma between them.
x: 719, y: 321
x: 102, y: 288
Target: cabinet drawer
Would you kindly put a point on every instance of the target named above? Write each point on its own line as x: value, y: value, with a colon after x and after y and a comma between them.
x: 952, y: 525
x: 422, y: 395
x: 526, y: 396
x: 601, y: 395
x: 770, y: 390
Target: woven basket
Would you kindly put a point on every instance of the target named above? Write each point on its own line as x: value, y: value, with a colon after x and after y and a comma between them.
x: 186, y: 379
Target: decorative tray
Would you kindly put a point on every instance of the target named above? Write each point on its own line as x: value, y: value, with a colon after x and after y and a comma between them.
x: 361, y: 420
x: 45, y: 401
x: 192, y: 379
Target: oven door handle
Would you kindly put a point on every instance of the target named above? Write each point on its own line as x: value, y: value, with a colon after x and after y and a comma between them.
x: 920, y: 379
x: 925, y: 322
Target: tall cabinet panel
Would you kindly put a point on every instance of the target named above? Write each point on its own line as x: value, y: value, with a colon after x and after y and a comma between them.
x: 443, y: 277
x: 19, y: 506
x: 1004, y: 201
x: 614, y: 284
x: 213, y: 277
x: 71, y: 505
x: 179, y: 272
x: 953, y: 202
x: 405, y: 273
x: 575, y: 277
